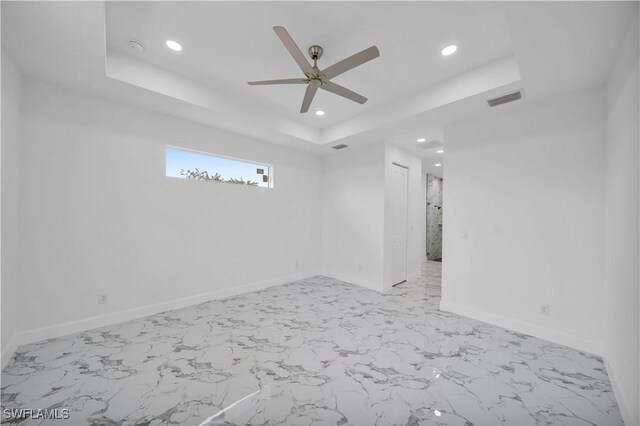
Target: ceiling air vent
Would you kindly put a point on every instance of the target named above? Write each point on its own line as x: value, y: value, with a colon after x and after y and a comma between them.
x: 341, y: 146
x: 505, y: 99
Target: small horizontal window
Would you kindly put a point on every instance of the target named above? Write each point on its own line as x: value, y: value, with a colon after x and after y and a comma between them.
x: 199, y: 166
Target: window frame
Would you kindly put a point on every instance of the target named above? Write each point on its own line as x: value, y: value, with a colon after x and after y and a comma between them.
x: 270, y: 168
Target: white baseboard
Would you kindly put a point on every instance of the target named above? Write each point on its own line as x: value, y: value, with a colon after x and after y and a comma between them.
x: 620, y: 397
x: 71, y: 327
x: 352, y: 280
x: 545, y: 333
x: 381, y: 288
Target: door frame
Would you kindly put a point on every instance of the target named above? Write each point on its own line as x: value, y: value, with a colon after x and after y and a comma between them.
x: 406, y: 225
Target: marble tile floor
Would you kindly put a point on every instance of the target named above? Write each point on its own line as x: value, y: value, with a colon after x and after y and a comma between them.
x: 312, y: 352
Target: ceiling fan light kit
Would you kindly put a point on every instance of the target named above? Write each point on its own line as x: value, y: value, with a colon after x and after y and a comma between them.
x: 314, y: 77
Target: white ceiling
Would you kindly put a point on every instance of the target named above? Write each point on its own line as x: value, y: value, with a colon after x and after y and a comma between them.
x: 413, y: 91
x: 226, y: 44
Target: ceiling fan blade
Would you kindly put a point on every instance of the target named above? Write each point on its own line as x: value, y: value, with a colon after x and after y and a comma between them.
x: 294, y: 50
x: 284, y: 81
x: 343, y: 91
x: 351, y: 62
x: 308, y: 97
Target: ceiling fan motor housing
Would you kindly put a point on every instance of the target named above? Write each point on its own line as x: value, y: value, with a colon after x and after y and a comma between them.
x: 315, y: 52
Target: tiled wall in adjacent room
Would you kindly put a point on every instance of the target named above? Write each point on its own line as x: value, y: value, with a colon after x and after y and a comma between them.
x: 434, y: 218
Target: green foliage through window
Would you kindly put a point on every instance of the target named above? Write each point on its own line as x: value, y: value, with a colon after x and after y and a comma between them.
x: 216, y: 177
x: 206, y: 167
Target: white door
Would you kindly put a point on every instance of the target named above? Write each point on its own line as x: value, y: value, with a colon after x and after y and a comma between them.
x: 399, y: 224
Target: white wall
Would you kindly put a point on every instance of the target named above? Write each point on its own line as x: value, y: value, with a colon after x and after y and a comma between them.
x: 11, y: 101
x: 356, y: 203
x: 416, y: 212
x: 353, y: 197
x: 621, y: 259
x: 99, y: 216
x: 526, y: 182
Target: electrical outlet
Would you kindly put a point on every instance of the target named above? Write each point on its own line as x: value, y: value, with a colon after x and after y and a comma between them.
x: 359, y: 268
x: 102, y: 298
x: 297, y: 263
x: 544, y: 309
x: 464, y: 235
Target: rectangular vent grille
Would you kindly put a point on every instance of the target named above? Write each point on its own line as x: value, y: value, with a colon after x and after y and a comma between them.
x: 505, y: 99
x: 341, y: 146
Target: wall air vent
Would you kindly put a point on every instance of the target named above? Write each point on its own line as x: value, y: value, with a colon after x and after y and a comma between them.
x: 505, y: 99
x: 341, y: 146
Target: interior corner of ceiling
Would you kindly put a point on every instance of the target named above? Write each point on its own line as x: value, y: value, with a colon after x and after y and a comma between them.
x: 515, y: 65
x: 137, y: 73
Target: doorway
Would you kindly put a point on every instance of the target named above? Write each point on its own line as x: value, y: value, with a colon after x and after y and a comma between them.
x: 434, y: 218
x: 400, y: 193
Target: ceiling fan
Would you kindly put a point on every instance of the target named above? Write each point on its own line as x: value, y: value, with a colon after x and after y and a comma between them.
x: 320, y: 79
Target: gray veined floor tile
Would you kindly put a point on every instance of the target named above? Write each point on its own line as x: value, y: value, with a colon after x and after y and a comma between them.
x: 312, y: 352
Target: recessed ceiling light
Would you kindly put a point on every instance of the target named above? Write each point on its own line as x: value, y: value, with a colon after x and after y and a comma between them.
x: 319, y: 112
x: 449, y: 50
x: 440, y: 151
x: 437, y: 413
x: 173, y: 45
x: 421, y: 140
x: 438, y: 165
